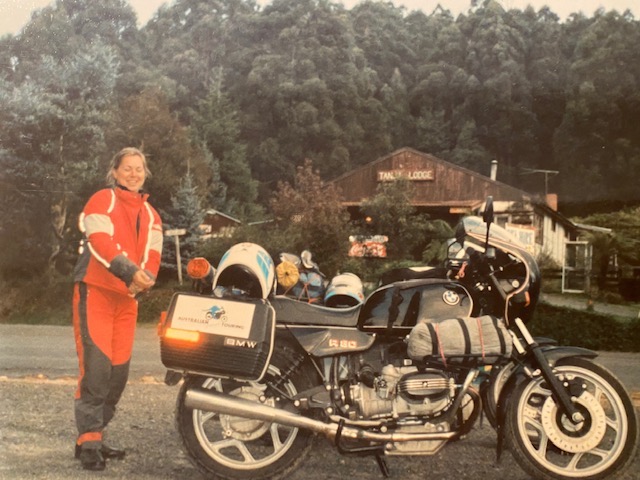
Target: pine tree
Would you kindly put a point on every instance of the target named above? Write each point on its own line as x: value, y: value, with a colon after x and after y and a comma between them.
x: 185, y: 213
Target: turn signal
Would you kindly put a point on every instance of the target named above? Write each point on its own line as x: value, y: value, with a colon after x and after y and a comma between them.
x: 198, y: 268
x: 184, y: 335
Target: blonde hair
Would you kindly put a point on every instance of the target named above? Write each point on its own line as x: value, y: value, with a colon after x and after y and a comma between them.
x: 117, y: 159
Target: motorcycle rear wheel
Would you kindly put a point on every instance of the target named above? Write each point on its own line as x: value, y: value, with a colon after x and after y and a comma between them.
x: 234, y: 448
x: 549, y: 446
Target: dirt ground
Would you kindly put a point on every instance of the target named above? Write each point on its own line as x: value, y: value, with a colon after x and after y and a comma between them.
x: 37, y: 433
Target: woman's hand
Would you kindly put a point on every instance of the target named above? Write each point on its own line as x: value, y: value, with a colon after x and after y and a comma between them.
x: 141, y: 282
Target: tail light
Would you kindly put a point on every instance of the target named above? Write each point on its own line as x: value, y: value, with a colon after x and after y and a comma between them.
x: 182, y: 335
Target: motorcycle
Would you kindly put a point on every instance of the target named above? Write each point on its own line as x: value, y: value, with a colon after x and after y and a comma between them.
x: 405, y: 372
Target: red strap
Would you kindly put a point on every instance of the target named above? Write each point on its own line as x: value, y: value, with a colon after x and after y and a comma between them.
x: 444, y: 359
x: 481, y: 335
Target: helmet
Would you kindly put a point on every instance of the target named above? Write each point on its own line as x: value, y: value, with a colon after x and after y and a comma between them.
x: 246, y: 267
x: 344, y: 290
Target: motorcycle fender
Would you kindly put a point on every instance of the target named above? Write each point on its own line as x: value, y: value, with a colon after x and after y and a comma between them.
x: 555, y: 353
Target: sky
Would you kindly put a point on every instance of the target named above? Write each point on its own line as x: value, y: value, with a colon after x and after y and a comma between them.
x: 14, y: 14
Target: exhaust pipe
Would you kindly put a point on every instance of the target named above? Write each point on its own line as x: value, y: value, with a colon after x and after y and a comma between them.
x: 225, y: 404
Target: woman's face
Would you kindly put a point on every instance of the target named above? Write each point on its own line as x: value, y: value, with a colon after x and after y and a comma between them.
x: 130, y: 173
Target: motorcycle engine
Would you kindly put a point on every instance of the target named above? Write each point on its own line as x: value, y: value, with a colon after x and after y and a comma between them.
x: 401, y: 391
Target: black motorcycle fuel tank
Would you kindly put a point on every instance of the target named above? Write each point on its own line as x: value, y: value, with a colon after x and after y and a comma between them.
x: 396, y: 308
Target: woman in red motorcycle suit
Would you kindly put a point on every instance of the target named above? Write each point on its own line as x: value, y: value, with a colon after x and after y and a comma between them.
x: 119, y: 258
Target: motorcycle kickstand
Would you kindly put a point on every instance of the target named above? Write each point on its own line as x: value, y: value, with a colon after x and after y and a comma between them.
x: 382, y: 464
x: 372, y: 450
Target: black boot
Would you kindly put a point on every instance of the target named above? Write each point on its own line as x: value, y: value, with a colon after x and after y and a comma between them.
x: 108, y: 452
x: 92, y: 459
x: 112, y: 452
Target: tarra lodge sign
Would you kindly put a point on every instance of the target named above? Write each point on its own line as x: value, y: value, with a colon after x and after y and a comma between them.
x: 411, y: 175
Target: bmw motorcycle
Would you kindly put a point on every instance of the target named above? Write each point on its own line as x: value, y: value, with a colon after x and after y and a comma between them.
x: 404, y: 372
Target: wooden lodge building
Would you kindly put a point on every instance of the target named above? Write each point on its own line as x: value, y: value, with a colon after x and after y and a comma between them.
x: 217, y: 224
x: 447, y: 191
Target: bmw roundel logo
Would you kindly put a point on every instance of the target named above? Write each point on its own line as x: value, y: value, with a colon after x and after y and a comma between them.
x: 451, y: 298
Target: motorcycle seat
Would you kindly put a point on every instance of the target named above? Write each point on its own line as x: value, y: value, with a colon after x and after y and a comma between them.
x: 294, y: 312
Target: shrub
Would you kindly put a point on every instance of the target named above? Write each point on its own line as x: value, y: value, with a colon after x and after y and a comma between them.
x: 586, y: 329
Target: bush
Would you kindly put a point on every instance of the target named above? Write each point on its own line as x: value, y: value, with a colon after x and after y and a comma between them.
x: 41, y: 301
x: 156, y: 301
x: 586, y: 329
x: 49, y: 303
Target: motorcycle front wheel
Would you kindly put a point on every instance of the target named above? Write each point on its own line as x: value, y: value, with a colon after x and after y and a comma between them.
x: 229, y: 447
x: 549, y: 446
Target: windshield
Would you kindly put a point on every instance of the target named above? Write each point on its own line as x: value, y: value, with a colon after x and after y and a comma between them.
x: 506, y: 252
x: 476, y: 227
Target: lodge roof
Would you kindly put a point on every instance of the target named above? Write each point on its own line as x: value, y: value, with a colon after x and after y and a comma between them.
x: 449, y: 185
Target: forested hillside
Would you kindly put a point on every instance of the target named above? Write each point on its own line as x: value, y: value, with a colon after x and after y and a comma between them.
x: 227, y: 98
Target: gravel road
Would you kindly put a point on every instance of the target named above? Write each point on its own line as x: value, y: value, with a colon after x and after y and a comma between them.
x: 37, y: 428
x: 37, y: 432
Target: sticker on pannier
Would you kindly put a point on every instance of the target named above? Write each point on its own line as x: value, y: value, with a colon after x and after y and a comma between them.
x: 482, y: 339
x: 216, y: 316
x: 220, y: 337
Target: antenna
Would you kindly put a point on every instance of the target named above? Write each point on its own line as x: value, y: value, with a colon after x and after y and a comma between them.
x: 528, y: 171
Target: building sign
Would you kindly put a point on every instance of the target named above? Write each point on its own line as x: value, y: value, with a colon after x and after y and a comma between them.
x: 411, y: 175
x: 368, y: 246
x: 525, y: 234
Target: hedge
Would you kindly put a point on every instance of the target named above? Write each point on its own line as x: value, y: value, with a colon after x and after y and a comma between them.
x: 586, y: 329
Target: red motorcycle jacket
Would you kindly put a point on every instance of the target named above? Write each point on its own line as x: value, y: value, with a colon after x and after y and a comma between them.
x: 122, y: 234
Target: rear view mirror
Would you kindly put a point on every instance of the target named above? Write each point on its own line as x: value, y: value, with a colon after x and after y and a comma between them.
x: 487, y: 215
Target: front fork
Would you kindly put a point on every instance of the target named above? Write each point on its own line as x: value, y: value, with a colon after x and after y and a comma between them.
x: 559, y: 393
x: 541, y: 360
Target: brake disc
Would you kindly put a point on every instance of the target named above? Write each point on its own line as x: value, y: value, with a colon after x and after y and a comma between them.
x: 575, y: 437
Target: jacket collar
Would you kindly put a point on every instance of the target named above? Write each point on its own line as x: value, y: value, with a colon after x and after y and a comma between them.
x: 127, y: 195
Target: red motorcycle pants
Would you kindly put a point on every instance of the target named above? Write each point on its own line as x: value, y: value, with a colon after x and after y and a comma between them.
x: 104, y: 325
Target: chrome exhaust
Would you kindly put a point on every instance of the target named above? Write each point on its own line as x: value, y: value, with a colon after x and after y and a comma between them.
x: 222, y: 403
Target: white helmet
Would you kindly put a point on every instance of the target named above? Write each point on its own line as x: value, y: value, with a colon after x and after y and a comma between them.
x: 344, y: 290
x: 246, y: 267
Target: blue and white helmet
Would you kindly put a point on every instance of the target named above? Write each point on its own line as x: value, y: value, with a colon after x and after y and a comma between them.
x: 246, y: 267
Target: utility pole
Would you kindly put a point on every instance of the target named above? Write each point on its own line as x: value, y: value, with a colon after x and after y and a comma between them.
x: 176, y: 233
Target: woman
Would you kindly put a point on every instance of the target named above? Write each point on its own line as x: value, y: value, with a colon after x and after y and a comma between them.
x: 119, y: 258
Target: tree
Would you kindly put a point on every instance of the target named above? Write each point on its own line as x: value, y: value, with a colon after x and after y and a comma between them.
x: 186, y: 212
x: 310, y: 215
x: 501, y: 106
x: 145, y: 120
x: 597, y: 141
x: 217, y: 126
x: 52, y: 137
x: 392, y: 214
x: 622, y: 242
